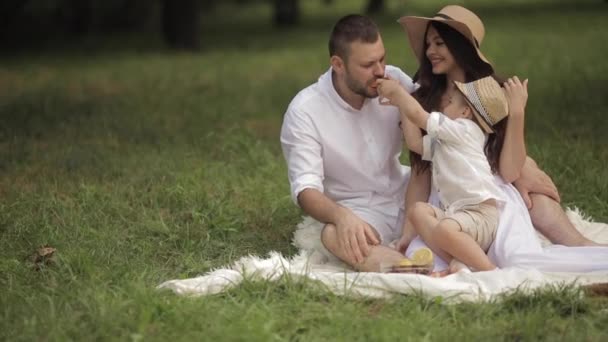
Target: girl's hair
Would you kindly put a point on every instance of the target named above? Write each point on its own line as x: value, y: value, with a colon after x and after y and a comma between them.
x: 432, y: 87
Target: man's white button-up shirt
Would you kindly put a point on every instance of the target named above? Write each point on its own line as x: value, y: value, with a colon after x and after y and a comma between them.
x: 350, y: 155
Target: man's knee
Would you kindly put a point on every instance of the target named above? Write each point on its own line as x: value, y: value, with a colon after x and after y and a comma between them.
x: 329, y: 237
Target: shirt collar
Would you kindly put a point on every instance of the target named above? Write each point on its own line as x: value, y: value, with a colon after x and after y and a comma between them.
x: 327, y: 85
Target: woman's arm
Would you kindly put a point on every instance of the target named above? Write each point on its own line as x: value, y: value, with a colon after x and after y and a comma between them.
x: 418, y: 188
x: 534, y: 180
x: 515, y: 166
x: 513, y: 154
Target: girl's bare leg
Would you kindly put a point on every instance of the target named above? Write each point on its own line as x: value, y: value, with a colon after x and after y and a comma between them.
x: 424, y: 221
x: 459, y: 245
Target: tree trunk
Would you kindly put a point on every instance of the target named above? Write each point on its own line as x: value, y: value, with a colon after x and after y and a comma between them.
x: 286, y: 12
x: 181, y: 23
x: 130, y: 15
x: 80, y: 16
x: 374, y: 6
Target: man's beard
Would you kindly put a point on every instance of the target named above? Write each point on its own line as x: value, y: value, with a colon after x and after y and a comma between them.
x: 361, y: 89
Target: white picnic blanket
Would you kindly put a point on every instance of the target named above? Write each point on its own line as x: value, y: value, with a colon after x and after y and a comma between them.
x: 557, y: 265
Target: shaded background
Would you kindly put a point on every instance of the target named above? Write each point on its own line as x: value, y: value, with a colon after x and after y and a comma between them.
x: 25, y: 22
x: 140, y: 139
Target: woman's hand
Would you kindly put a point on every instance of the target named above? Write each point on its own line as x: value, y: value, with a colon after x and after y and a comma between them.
x: 534, y: 180
x: 517, y: 95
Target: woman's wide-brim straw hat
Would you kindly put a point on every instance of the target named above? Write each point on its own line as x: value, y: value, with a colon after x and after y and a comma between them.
x: 457, y: 17
x: 487, y: 99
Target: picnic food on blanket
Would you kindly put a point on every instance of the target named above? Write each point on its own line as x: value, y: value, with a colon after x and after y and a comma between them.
x: 421, y: 262
x: 423, y: 256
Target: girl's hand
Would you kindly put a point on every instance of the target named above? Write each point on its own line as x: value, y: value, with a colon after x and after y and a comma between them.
x: 517, y: 95
x: 407, y: 236
x: 389, y: 91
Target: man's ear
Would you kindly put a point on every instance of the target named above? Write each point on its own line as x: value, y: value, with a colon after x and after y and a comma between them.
x: 337, y: 64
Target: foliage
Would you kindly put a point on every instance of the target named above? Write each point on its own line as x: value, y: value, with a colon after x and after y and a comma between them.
x: 140, y: 165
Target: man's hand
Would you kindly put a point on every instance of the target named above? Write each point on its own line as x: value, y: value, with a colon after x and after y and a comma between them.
x: 534, y: 180
x: 354, y: 236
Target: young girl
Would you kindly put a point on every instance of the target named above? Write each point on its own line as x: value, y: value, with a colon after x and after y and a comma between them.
x: 465, y: 226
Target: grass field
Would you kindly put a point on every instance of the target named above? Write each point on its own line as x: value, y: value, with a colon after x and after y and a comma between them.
x: 140, y: 165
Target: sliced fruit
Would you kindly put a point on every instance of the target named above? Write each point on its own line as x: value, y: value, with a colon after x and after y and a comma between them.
x: 405, y: 262
x: 423, y: 256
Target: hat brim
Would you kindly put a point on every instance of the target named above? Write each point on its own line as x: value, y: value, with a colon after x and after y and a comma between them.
x: 416, y: 30
x: 480, y: 119
x: 482, y: 122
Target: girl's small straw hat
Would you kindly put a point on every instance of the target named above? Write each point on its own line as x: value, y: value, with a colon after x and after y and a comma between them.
x: 457, y: 17
x: 487, y: 99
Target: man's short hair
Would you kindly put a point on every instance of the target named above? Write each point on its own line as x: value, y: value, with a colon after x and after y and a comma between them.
x: 349, y: 29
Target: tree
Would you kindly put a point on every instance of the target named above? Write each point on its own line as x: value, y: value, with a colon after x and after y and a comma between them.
x: 286, y: 12
x: 374, y: 6
x: 181, y: 23
x: 78, y: 16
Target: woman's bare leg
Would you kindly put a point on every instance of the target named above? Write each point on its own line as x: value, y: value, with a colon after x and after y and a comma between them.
x: 549, y: 218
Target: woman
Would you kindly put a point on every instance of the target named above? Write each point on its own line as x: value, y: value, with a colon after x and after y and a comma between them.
x: 447, y: 47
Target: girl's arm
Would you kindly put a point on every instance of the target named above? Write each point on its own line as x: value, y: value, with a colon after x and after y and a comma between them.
x: 413, y: 110
x: 396, y: 95
x: 412, y: 135
x: 513, y: 154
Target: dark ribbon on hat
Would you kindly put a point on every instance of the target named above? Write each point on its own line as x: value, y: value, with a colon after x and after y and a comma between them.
x: 441, y: 15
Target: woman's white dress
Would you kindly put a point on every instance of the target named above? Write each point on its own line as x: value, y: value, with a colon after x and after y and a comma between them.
x: 517, y: 243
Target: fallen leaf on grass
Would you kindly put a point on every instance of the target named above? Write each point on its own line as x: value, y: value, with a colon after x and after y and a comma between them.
x: 43, y: 256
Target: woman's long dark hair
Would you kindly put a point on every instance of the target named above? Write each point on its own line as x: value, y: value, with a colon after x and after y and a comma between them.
x: 432, y: 87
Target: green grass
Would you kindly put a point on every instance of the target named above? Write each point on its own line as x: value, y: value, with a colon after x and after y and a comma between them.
x: 142, y: 165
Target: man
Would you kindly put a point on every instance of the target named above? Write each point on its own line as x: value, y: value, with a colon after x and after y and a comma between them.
x: 342, y: 149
